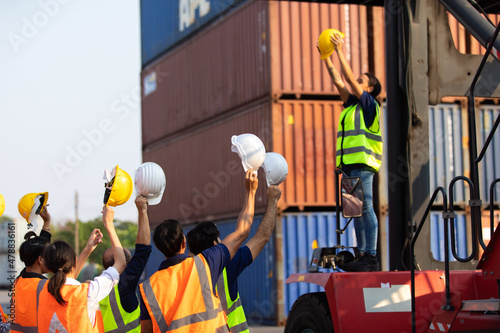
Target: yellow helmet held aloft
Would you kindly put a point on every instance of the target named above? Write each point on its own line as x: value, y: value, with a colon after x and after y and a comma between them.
x: 325, y: 45
x: 2, y: 205
x: 31, y: 205
x: 119, y: 187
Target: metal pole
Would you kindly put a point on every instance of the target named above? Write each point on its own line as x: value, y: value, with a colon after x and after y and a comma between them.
x: 77, y: 233
x: 397, y: 120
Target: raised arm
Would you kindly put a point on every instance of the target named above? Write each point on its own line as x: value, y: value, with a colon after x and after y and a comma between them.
x: 94, y: 239
x: 356, y: 88
x: 266, y: 226
x: 234, y: 240
x: 143, y: 233
x: 116, y: 246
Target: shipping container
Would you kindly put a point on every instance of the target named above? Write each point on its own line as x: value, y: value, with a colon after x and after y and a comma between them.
x: 489, y: 167
x: 260, y: 49
x: 224, y: 67
x: 261, y: 285
x: 449, y: 150
x: 165, y: 24
x: 464, y: 41
x: 294, y: 30
x: 205, y: 178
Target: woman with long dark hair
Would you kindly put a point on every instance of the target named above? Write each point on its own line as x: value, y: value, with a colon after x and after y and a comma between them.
x: 67, y: 305
x: 31, y: 280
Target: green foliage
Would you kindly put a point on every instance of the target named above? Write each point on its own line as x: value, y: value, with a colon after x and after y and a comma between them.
x: 5, y: 218
x: 126, y: 231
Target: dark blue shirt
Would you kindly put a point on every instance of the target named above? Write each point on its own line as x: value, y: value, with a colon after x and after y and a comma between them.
x: 129, y: 278
x: 368, y: 106
x: 217, y: 258
x: 240, y: 261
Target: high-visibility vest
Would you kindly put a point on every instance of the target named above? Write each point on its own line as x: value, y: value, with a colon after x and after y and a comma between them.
x: 70, y: 318
x: 25, y: 300
x: 115, y: 318
x: 180, y: 299
x: 357, y: 144
x: 236, y: 319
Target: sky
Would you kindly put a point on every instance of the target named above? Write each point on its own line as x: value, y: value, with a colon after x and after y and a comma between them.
x: 69, y: 102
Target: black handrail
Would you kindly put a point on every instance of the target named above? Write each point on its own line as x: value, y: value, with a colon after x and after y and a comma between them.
x: 412, y: 247
x: 472, y: 203
x: 492, y: 208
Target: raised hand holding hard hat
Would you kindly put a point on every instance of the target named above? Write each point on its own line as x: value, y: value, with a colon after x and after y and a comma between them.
x: 325, y: 44
x: 276, y: 168
x: 118, y: 186
x: 32, y: 205
x: 250, y: 149
x: 150, y: 182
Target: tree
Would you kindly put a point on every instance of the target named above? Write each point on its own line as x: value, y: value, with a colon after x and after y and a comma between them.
x: 126, y: 231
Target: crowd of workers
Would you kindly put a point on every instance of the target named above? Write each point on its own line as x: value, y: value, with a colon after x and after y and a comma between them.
x: 196, y: 291
x: 191, y: 292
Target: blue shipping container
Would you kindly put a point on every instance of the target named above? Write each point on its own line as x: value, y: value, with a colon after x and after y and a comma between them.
x: 166, y: 23
x: 301, y: 232
x: 437, y: 236
x: 449, y: 152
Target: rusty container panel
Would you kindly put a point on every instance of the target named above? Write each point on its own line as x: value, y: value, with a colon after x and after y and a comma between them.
x: 304, y: 132
x: 464, y: 41
x: 295, y: 27
x: 219, y: 69
x: 205, y: 179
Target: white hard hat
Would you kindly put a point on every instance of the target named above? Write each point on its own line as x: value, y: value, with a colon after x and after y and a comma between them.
x: 276, y: 168
x: 250, y: 149
x: 150, y: 182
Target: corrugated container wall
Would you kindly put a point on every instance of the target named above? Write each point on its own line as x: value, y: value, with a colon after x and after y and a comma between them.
x: 166, y: 23
x: 262, y: 48
x: 295, y: 28
x: 217, y: 70
x: 449, y: 150
x: 464, y: 41
x: 205, y: 179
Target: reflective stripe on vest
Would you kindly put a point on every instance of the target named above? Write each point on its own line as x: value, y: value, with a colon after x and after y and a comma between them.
x: 72, y: 317
x: 17, y: 327
x: 115, y: 318
x: 236, y: 319
x: 355, y: 143
x: 209, y: 314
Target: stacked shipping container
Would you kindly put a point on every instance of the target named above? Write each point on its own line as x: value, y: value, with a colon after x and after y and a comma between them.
x: 252, y: 67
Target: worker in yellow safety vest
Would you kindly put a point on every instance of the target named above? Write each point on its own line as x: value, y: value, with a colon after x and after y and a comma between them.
x: 29, y: 283
x: 181, y: 296
x: 67, y: 305
x: 359, y: 147
x: 120, y: 310
x: 206, y: 235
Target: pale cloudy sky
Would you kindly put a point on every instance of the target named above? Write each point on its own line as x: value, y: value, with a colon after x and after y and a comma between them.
x: 69, y: 101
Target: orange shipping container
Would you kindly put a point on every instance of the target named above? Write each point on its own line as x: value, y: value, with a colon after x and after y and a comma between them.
x: 261, y: 48
x: 205, y: 179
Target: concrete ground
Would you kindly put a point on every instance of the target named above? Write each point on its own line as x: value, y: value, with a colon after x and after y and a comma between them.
x: 4, y: 301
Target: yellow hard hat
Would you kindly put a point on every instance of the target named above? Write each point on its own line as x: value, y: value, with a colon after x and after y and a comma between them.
x: 119, y: 188
x: 32, y: 204
x: 325, y: 45
x: 2, y: 205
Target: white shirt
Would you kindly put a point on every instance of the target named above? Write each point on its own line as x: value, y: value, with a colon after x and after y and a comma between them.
x: 99, y: 288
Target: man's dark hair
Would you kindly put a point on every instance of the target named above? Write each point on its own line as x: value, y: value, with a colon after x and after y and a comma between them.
x: 32, y: 248
x: 202, y: 237
x: 108, y: 260
x: 168, y: 238
x: 375, y: 83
